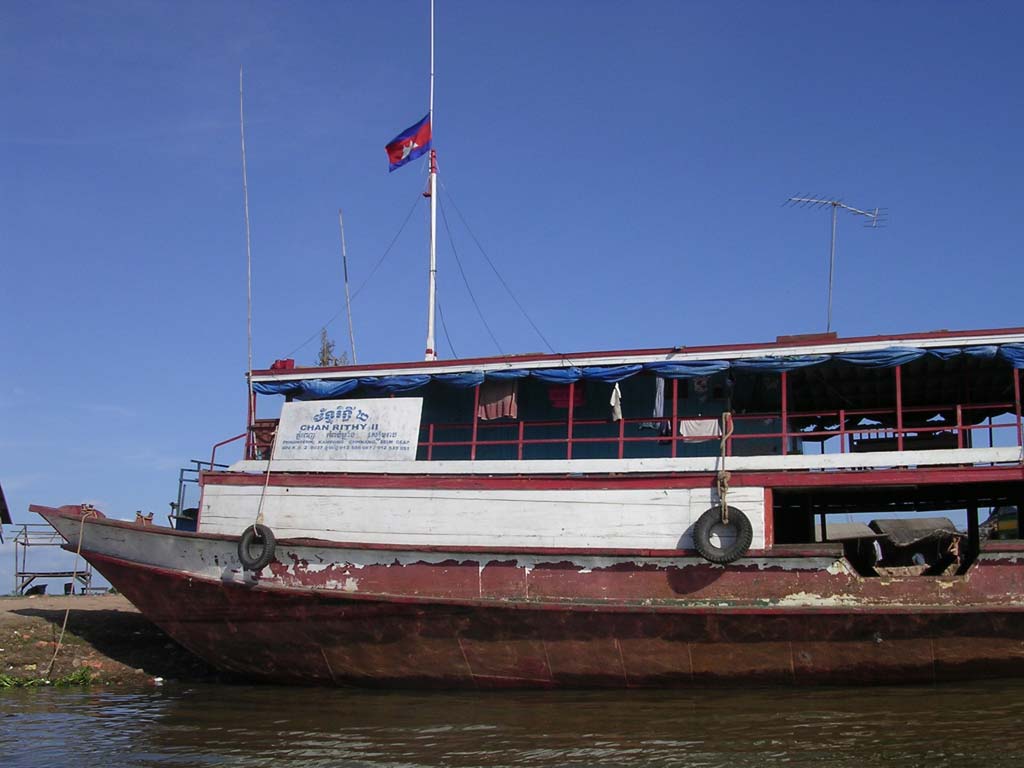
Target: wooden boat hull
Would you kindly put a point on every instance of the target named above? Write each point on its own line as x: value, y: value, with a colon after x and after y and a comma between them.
x: 331, y: 614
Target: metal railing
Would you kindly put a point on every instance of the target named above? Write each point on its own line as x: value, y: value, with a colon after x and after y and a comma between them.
x: 30, y: 535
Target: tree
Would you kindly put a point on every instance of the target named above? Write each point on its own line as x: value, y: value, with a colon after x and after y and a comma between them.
x: 327, y: 357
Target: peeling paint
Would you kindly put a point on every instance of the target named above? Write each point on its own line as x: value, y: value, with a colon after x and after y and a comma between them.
x: 809, y: 600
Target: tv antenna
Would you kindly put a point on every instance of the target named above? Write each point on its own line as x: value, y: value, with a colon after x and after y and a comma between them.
x: 874, y: 219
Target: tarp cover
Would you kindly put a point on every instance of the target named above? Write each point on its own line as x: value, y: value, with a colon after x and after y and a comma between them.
x: 906, y: 531
x: 321, y: 389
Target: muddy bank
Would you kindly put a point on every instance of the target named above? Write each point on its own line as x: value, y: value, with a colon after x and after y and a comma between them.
x: 105, y: 636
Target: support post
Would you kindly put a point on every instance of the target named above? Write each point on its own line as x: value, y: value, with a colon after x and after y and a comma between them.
x: 899, y: 407
x: 1016, y: 405
x: 674, y: 424
x: 973, y: 540
x: 569, y: 425
x: 784, y: 385
x: 476, y: 421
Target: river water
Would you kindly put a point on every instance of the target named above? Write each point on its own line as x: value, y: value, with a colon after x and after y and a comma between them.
x: 231, y: 725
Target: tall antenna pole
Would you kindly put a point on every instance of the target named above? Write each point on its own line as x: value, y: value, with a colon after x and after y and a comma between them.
x: 248, y: 251
x: 348, y: 299
x: 831, y: 267
x: 430, y: 353
x: 874, y: 219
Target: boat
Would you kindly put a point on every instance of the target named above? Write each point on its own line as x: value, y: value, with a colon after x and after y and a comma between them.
x: 777, y: 512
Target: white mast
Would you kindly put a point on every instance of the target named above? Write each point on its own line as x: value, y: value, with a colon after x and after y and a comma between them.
x: 248, y: 252
x: 348, y: 298
x: 431, y: 351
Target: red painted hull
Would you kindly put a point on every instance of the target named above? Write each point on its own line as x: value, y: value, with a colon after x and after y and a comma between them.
x: 342, y: 614
x: 316, y: 637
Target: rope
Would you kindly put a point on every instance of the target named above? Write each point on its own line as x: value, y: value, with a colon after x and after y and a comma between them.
x: 496, y: 272
x: 465, y: 280
x: 723, y: 478
x: 87, y: 511
x: 373, y: 271
x: 263, y: 493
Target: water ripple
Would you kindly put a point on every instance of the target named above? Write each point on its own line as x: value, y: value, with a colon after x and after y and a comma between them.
x: 285, y: 727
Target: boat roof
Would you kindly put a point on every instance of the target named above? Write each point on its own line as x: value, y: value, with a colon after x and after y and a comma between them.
x: 805, y: 347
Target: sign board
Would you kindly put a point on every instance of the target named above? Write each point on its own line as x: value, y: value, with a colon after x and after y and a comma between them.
x: 382, y: 428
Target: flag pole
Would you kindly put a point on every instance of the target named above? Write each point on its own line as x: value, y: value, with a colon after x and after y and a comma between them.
x: 251, y: 418
x: 431, y: 353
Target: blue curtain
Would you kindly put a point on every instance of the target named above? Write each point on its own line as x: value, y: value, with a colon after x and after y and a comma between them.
x: 318, y: 389
x: 689, y: 369
x: 882, y: 358
x: 778, y: 364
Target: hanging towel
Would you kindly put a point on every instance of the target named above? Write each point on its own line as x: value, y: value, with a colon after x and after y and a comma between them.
x: 497, y: 400
x: 659, y: 398
x: 659, y: 406
x: 700, y: 430
x: 616, y: 403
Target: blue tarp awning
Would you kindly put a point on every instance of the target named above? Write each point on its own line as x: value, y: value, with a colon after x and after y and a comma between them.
x: 321, y: 389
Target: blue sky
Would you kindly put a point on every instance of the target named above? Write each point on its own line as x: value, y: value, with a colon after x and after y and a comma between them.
x: 623, y: 164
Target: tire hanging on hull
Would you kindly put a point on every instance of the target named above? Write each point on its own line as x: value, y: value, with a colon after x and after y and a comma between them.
x: 256, y: 547
x: 735, y: 521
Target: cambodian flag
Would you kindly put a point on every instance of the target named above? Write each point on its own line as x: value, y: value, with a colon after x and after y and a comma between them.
x: 409, y: 144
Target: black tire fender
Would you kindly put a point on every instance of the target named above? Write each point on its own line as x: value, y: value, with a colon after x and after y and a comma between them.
x: 256, y: 547
x: 738, y: 523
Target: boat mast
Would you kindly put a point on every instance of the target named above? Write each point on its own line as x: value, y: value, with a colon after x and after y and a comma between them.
x: 348, y: 297
x: 251, y: 418
x: 431, y: 353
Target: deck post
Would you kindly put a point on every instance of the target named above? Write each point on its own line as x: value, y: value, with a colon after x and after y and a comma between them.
x: 674, y: 427
x: 568, y: 437
x: 250, y: 442
x: 972, y: 530
x: 476, y: 421
x: 899, y: 407
x: 1016, y: 405
x: 783, y: 384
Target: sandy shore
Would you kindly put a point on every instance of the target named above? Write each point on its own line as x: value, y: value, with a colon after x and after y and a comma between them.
x: 105, y: 635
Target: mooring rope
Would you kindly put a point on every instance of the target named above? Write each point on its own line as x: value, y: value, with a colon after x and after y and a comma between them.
x: 723, y: 478
x: 87, y: 511
x: 263, y: 493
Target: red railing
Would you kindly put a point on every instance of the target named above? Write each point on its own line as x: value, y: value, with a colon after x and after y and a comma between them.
x: 213, y: 453
x: 846, y: 430
x: 852, y: 430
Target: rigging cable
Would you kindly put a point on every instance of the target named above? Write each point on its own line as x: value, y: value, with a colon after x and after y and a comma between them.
x: 465, y: 280
x: 444, y: 327
x: 376, y: 266
x: 497, y: 273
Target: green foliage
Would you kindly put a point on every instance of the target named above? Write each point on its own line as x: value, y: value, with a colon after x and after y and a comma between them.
x: 81, y: 676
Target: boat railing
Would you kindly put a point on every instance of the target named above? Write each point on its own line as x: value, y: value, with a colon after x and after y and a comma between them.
x: 213, y: 452
x: 839, y: 431
x: 32, y: 535
x: 854, y: 430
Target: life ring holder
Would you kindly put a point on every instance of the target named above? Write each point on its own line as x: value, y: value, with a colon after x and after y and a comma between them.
x: 256, y: 547
x: 734, y: 520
